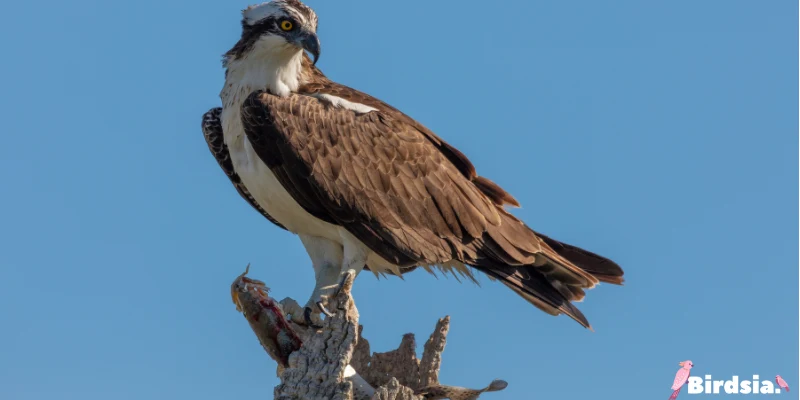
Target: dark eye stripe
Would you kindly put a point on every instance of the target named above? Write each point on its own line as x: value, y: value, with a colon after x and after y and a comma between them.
x: 272, y: 24
x: 251, y: 33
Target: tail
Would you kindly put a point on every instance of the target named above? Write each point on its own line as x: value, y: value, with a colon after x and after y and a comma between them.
x: 547, y: 273
x: 674, y: 394
x: 600, y: 267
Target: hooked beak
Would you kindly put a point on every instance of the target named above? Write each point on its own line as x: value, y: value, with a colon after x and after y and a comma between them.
x: 310, y: 43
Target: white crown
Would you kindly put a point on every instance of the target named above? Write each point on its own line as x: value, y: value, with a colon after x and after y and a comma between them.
x: 256, y: 13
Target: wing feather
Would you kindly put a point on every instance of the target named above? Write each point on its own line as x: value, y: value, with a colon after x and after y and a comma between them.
x: 406, y: 194
x: 363, y: 192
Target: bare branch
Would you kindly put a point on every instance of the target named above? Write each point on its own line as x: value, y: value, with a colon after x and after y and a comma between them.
x: 335, y: 362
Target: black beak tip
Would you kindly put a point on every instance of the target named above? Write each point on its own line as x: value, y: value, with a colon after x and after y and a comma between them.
x: 310, y: 43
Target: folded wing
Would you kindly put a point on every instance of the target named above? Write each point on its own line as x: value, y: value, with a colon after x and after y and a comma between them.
x: 410, y: 199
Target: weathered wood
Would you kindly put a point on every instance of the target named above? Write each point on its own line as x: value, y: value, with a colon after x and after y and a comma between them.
x: 335, y: 362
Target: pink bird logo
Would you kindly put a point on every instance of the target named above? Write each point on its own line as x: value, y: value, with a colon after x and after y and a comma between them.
x: 781, y: 383
x: 681, y: 378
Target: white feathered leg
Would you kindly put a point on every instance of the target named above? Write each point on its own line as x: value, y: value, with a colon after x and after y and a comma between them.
x: 354, y: 258
x: 331, y: 261
x: 326, y: 258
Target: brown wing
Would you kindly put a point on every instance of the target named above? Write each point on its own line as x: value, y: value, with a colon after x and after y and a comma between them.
x: 396, y: 190
x: 212, y: 131
x: 378, y: 177
x: 457, y: 158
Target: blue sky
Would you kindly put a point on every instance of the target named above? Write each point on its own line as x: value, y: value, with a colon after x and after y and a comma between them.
x: 661, y: 134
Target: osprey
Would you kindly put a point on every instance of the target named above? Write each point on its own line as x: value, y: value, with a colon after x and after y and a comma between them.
x: 364, y: 185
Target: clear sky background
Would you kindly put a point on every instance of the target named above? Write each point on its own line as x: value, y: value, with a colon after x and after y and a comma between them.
x: 660, y: 134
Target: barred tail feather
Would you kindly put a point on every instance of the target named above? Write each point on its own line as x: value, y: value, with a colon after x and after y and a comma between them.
x: 552, y: 277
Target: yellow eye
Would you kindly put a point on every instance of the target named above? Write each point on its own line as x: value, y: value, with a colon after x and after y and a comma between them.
x: 287, y: 25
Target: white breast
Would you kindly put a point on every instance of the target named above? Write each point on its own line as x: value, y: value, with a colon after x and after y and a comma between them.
x: 259, y: 179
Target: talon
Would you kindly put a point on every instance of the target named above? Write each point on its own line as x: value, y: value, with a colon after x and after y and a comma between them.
x: 307, y: 317
x: 341, y: 285
x: 324, y: 310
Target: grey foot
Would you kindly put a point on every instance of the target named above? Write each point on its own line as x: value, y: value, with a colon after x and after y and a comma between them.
x: 340, y: 285
x: 323, y: 309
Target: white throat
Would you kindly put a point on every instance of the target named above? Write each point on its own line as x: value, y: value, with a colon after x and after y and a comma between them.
x: 277, y: 71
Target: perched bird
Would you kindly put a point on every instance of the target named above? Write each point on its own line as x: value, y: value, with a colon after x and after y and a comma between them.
x: 683, y: 374
x: 364, y: 185
x: 781, y: 383
x: 681, y: 378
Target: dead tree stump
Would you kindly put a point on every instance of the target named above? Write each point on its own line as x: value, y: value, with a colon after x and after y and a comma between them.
x: 335, y: 362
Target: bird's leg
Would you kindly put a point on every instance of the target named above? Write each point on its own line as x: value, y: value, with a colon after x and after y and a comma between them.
x: 341, y: 284
x: 331, y: 279
x: 355, y: 259
x: 332, y: 261
x: 327, y: 278
x: 326, y: 257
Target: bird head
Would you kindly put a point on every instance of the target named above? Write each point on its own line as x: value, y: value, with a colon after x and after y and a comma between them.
x: 686, y: 364
x: 277, y: 29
